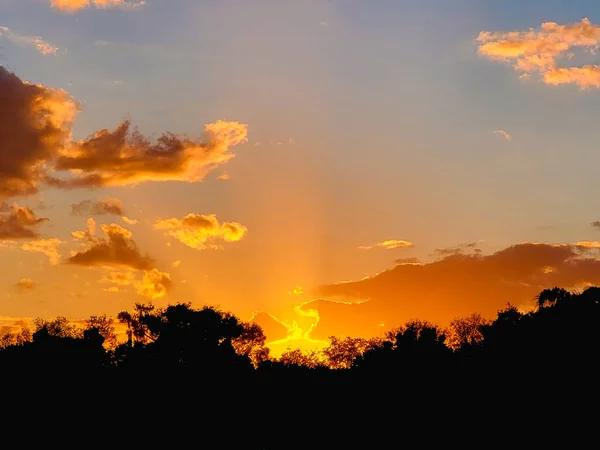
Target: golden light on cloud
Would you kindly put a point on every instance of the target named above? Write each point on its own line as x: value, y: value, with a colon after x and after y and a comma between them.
x: 129, y: 221
x: 26, y: 284
x: 543, y: 49
x: 298, y: 290
x: 154, y: 284
x: 201, y: 231
x: 390, y: 244
x: 453, y: 286
x: 503, y: 134
x: 588, y: 244
x: 117, y: 250
x: 42, y: 46
x: 48, y: 247
x: 18, y: 222
x: 44, y: 117
x: 76, y: 5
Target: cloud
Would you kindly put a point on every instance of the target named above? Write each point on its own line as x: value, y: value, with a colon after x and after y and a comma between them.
x: 201, y: 231
x: 117, y: 250
x: 35, y: 125
x: 298, y: 290
x: 129, y: 221
x: 543, y: 49
x: 103, y: 207
x: 26, y: 284
x: 154, y: 284
x: 503, y: 134
x: 120, y: 256
x: 125, y: 157
x: 76, y: 5
x: 588, y: 244
x: 37, y: 42
x: 176, y: 264
x: 388, y: 245
x: 18, y: 222
x: 407, y: 261
x: 37, y: 147
x: 457, y: 285
x: 223, y: 176
x: 273, y: 328
x: 596, y: 224
x: 48, y: 247
x: 460, y: 249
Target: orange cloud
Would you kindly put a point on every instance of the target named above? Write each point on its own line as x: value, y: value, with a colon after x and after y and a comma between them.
x: 389, y: 244
x: 223, y: 176
x: 154, y: 284
x: 37, y: 144
x: 457, y: 285
x: 26, y: 284
x: 200, y: 231
x: 99, y: 208
x: 76, y: 5
x: 120, y: 256
x: 18, y: 222
x: 118, y: 250
x: 37, y: 42
x: 541, y: 51
x: 48, y: 247
x: 125, y: 157
x: 503, y: 134
x: 129, y: 221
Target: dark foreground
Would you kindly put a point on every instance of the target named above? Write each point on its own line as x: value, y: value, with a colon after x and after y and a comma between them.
x: 202, y: 379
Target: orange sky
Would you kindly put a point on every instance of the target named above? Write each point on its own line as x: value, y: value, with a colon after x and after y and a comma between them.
x: 348, y: 176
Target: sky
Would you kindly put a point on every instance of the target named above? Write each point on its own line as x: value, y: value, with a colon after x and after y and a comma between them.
x: 321, y: 167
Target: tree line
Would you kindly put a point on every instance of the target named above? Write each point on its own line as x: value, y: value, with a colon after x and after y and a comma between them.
x: 221, y: 365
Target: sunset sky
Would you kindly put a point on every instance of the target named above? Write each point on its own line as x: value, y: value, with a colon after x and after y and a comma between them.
x: 329, y: 167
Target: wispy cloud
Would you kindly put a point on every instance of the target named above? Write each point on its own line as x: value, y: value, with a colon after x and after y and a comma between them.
x: 543, y: 49
x: 42, y: 46
x: 76, y: 5
x: 388, y: 245
x: 503, y: 134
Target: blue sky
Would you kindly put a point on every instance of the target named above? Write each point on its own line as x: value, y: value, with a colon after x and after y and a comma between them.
x: 366, y: 121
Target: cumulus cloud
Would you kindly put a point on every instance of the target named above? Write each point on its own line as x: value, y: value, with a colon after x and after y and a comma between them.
x: 154, y: 284
x: 36, y: 42
x: 123, y: 261
x: 26, y: 284
x: 117, y: 250
x: 503, y: 134
x: 125, y: 157
x: 103, y: 207
x: 388, y: 245
x: 35, y: 124
x: 457, y: 285
x: 37, y: 147
x: 129, y: 221
x: 48, y: 247
x: 18, y: 222
x: 542, y: 50
x: 201, y: 231
x: 76, y: 5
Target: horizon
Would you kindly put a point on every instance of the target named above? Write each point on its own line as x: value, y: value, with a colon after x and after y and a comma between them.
x: 323, y: 168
